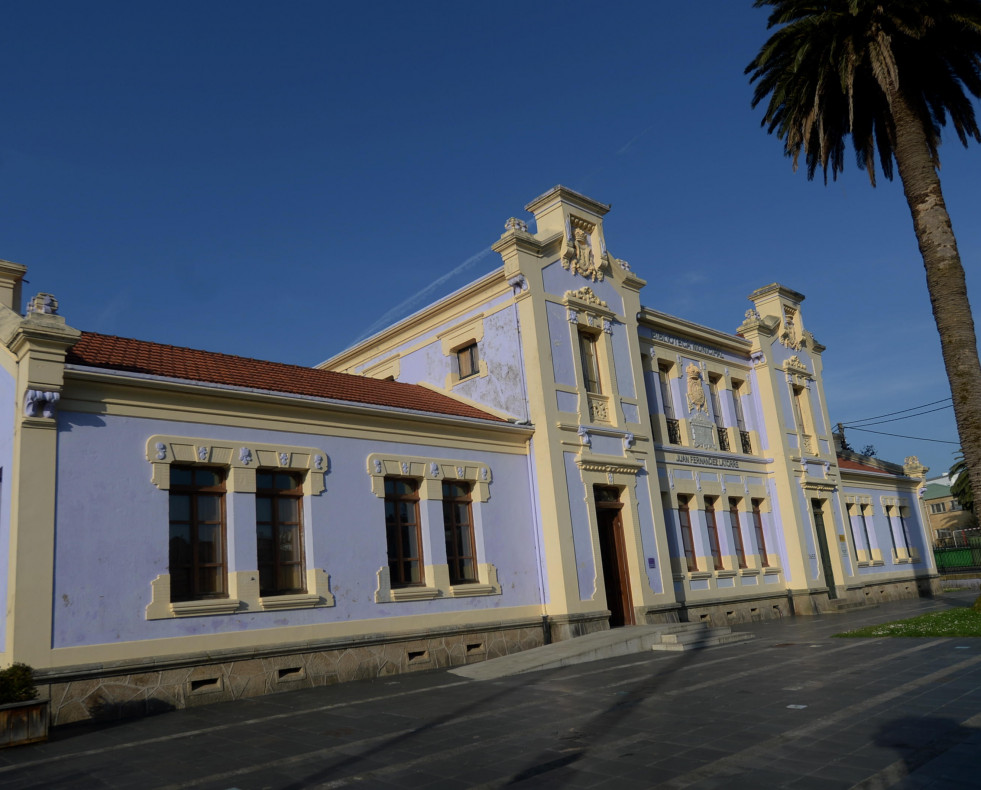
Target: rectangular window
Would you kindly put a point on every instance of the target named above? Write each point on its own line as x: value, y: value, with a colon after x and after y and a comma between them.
x: 902, y: 524
x: 403, y: 533
x: 674, y: 429
x: 760, y: 537
x: 892, y: 535
x: 590, y: 365
x: 737, y: 404
x: 736, y: 532
x: 197, y: 533
x: 458, y: 530
x: 279, y: 532
x: 684, y: 519
x: 865, y: 529
x: 713, y: 533
x: 468, y: 363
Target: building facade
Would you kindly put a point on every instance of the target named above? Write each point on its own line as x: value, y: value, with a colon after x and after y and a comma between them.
x: 534, y: 457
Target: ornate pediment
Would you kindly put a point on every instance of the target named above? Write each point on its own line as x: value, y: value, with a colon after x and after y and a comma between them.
x: 586, y: 296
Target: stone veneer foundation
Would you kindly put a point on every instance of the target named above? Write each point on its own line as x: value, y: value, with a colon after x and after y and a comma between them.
x: 128, y: 689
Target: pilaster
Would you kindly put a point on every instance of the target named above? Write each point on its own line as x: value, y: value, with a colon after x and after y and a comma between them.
x: 39, y: 345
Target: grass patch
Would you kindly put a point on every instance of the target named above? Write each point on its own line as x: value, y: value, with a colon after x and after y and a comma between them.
x: 953, y: 622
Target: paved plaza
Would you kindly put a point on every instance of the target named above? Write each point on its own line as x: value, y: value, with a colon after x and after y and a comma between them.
x: 792, y: 708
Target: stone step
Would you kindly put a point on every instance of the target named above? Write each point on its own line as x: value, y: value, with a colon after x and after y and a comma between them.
x: 704, y: 640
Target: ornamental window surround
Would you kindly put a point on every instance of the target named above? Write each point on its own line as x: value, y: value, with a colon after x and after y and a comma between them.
x: 434, y: 525
x: 179, y: 466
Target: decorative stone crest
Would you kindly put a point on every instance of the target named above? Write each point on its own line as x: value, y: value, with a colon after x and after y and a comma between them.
x: 608, y: 326
x: 43, y: 303
x: 791, y: 336
x: 516, y: 224
x: 577, y: 255
x: 696, y: 392
x: 202, y: 453
x: 318, y: 463
x: 434, y: 469
x: 629, y: 440
x: 572, y: 315
x: 586, y: 296
x: 752, y: 315
x: 583, y: 433
x: 245, y: 455
x: 161, y: 449
x: 284, y: 458
x: 702, y: 432
x: 378, y: 467
x: 405, y: 467
x: 796, y: 362
x: 518, y: 284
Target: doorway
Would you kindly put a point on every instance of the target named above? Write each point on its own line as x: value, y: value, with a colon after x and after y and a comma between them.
x: 613, y: 554
x: 829, y: 576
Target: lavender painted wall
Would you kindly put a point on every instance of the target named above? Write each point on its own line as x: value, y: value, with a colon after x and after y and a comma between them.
x: 558, y: 280
x: 8, y: 412
x: 559, y: 336
x: 503, y: 387
x: 111, y: 536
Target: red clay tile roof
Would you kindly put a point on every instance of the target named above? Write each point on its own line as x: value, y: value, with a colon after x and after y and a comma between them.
x: 155, y: 359
x: 860, y: 467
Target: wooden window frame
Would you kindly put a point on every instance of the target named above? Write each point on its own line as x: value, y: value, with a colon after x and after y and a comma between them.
x: 274, y: 495
x: 712, y: 528
x: 760, y: 536
x: 589, y: 359
x: 687, y: 537
x: 468, y: 361
x: 221, y: 565
x: 397, y: 559
x: 736, y: 531
x: 452, y: 530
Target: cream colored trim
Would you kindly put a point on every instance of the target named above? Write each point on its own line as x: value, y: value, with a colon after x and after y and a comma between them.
x: 241, y: 457
x: 382, y: 465
x: 97, y: 392
x: 431, y: 472
x: 243, y: 590
x: 390, y: 367
x: 396, y: 624
x: 439, y: 575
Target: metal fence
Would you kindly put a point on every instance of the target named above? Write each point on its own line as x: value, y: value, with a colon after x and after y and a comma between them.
x: 951, y: 559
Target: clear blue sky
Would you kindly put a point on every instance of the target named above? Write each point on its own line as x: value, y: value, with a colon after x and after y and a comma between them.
x: 272, y: 179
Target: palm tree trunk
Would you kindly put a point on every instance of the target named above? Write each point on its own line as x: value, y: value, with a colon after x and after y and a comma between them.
x: 945, y: 278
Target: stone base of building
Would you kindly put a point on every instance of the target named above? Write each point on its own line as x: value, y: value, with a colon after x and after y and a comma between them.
x: 810, y: 602
x: 146, y: 687
x: 728, y: 612
x: 569, y: 626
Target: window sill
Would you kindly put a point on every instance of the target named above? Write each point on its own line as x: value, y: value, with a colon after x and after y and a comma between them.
x: 204, y: 607
x: 772, y: 571
x: 414, y: 593
x: 750, y: 571
x: 726, y: 574
x: 862, y: 563
x: 274, y: 603
x: 876, y: 563
x: 467, y: 590
x: 701, y: 575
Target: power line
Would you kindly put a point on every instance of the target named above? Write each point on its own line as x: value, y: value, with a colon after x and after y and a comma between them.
x: 901, y: 411
x: 901, y: 436
x: 907, y: 417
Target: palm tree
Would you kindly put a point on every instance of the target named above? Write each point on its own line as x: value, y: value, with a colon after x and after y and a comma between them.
x: 888, y: 73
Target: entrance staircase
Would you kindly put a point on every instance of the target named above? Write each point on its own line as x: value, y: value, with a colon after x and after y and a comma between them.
x: 604, y: 644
